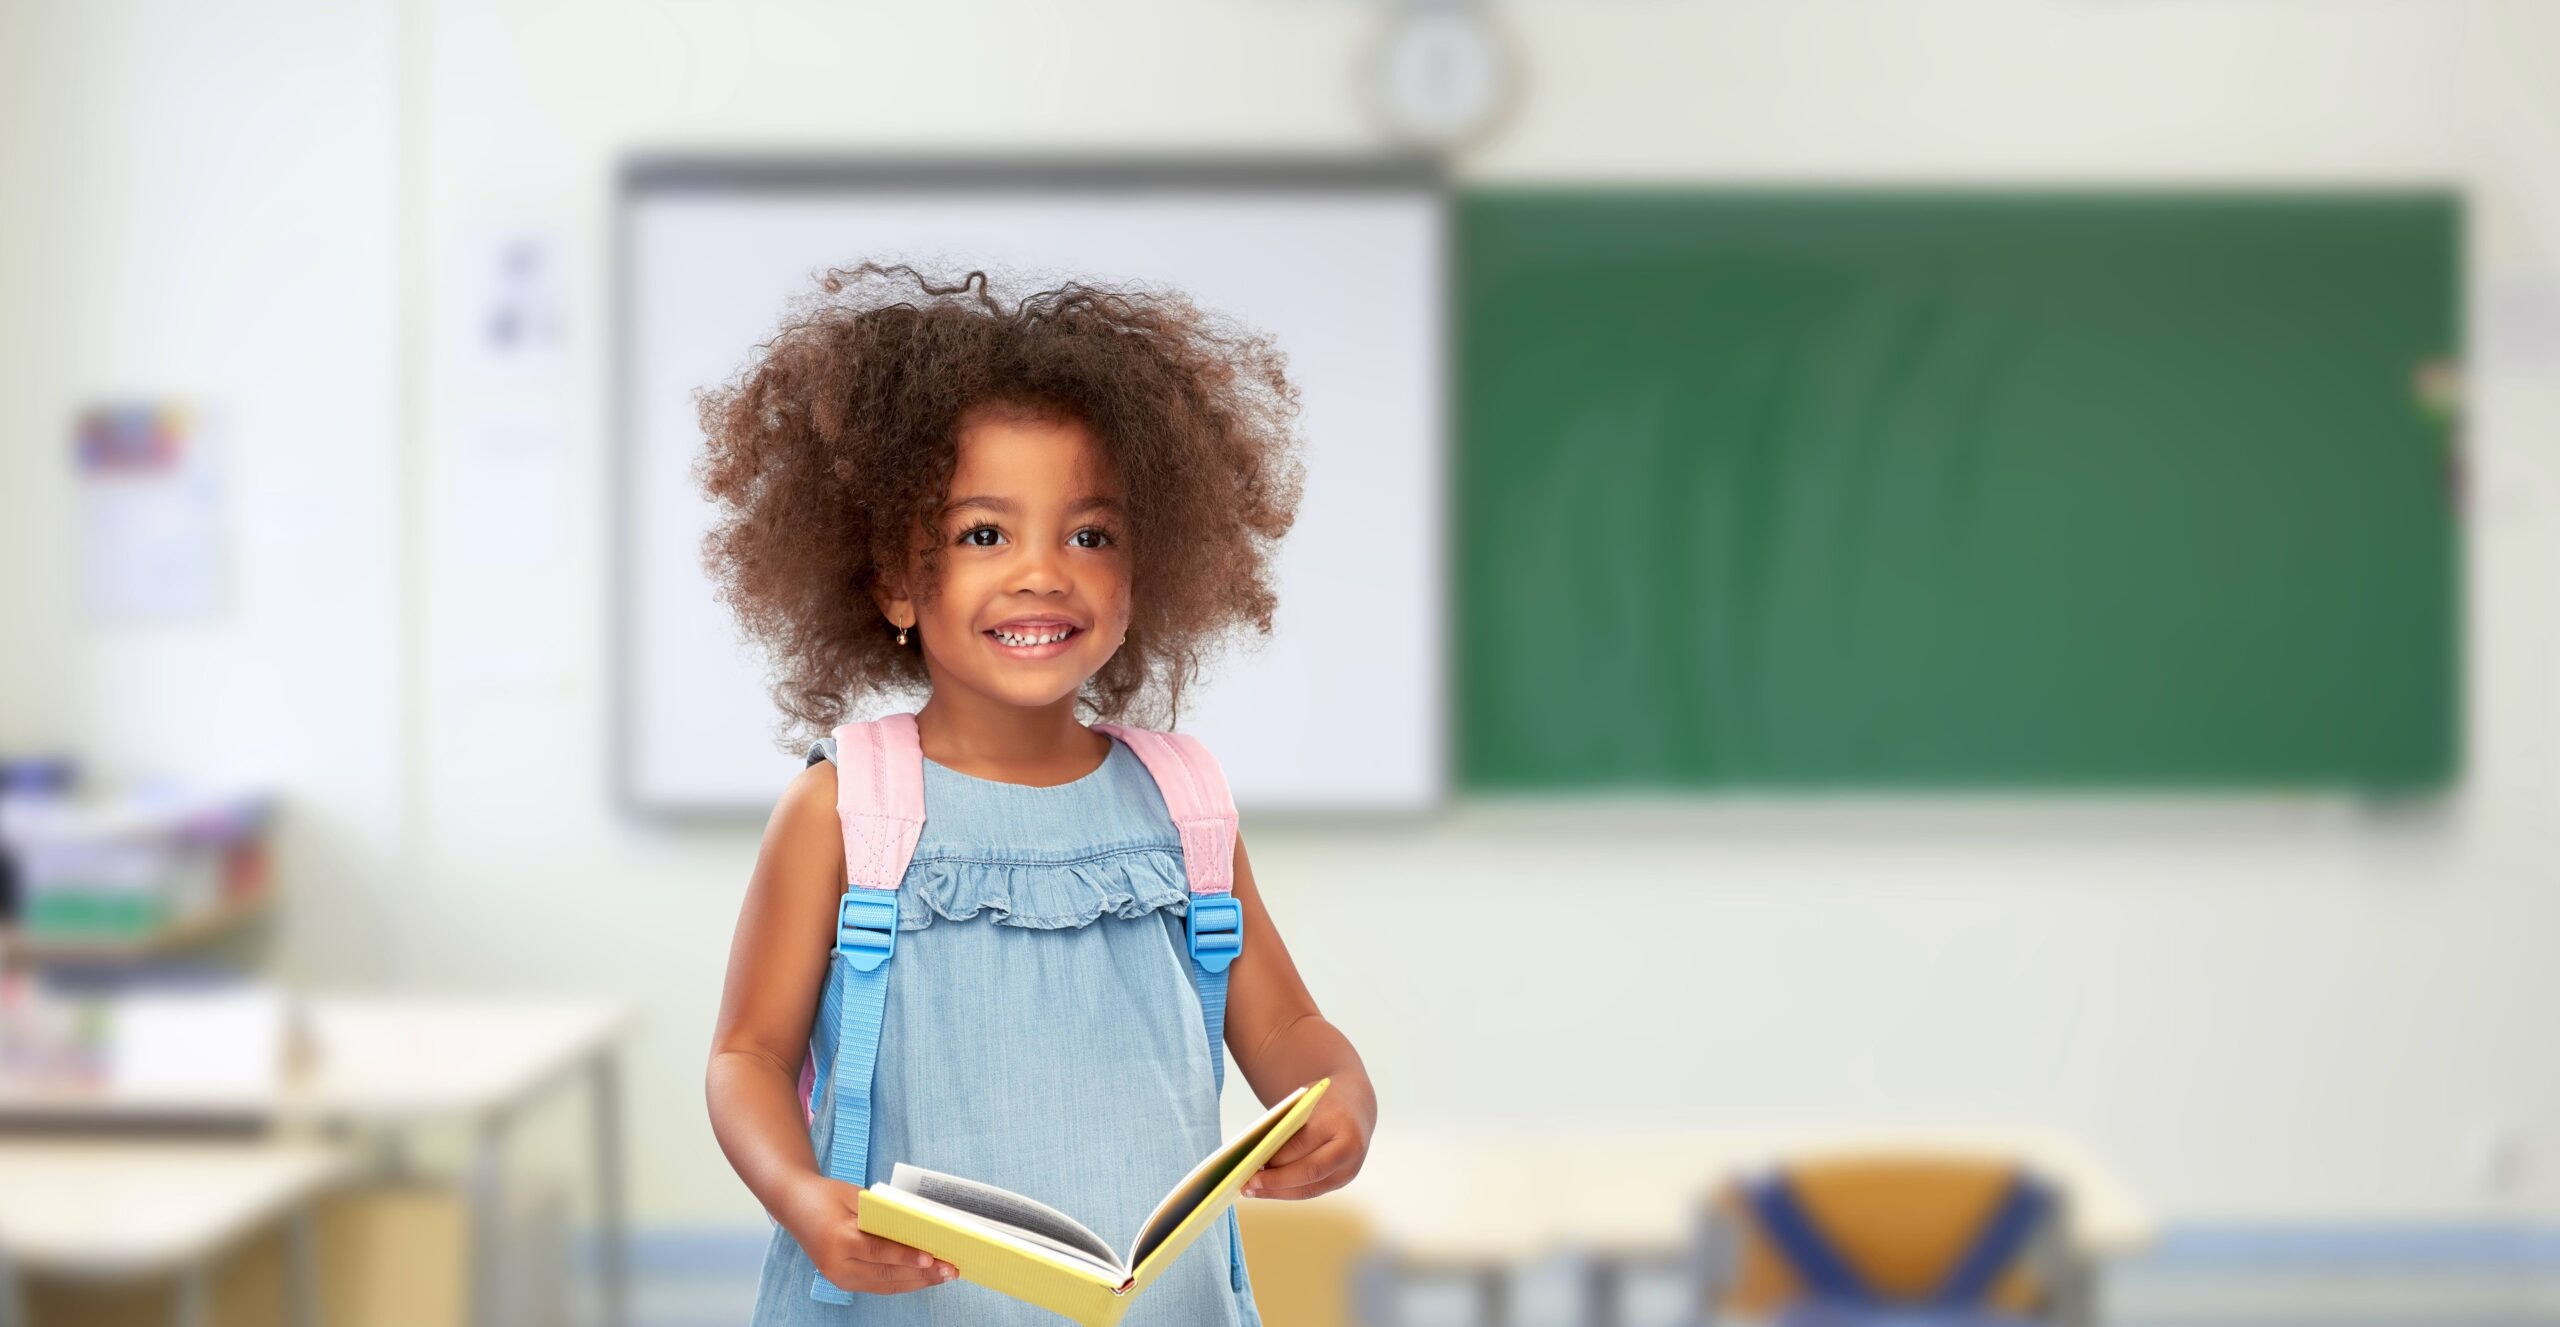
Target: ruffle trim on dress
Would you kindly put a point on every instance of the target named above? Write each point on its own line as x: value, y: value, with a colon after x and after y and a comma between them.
x: 1049, y: 896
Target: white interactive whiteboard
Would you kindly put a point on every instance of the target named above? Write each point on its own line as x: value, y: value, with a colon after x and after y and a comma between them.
x: 1342, y: 709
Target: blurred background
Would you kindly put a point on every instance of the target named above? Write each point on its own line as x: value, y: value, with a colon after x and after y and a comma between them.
x: 1928, y: 593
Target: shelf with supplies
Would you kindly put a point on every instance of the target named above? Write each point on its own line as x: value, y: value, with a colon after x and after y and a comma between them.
x: 138, y: 874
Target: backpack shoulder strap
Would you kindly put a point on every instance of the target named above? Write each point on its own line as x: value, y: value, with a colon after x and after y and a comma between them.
x: 879, y: 799
x: 880, y: 806
x: 1204, y: 813
x: 1195, y: 794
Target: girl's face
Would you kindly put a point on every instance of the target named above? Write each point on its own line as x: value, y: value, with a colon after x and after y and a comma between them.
x: 1034, y: 583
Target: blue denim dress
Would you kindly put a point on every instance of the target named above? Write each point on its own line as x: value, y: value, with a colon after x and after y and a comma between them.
x: 1041, y: 1033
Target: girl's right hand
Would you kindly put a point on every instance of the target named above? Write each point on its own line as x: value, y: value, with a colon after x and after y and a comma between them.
x: 822, y: 1220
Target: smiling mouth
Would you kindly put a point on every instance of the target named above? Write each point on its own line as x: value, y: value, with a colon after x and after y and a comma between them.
x: 1041, y: 644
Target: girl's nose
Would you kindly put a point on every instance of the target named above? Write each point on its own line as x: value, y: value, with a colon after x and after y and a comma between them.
x: 1039, y: 569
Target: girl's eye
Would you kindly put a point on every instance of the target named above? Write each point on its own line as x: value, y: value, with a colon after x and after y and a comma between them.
x: 1103, y: 538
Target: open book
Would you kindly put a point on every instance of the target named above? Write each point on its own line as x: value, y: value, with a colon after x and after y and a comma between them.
x: 1042, y: 1256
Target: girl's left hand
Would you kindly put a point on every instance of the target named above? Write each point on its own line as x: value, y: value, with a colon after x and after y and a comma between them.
x: 1322, y: 1156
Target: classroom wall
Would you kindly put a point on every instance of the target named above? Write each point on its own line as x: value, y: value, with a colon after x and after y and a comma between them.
x: 201, y: 206
x: 2295, y: 1012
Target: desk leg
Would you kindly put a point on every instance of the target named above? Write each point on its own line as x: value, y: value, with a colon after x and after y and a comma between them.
x: 1493, y: 1294
x: 613, y: 1233
x: 1376, y: 1291
x: 2079, y: 1298
x: 191, y: 1307
x: 1601, y: 1291
x: 302, y: 1257
x: 488, y: 1176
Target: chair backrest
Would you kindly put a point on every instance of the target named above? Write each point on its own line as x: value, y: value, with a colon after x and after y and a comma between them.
x: 1305, y: 1258
x: 1901, y: 1222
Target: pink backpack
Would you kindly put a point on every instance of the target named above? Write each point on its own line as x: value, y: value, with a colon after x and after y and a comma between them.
x: 880, y: 802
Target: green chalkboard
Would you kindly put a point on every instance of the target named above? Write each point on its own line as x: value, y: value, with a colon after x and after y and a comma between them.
x: 1955, y: 490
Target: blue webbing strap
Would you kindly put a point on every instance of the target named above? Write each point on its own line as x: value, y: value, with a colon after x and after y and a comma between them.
x: 1213, y: 928
x: 1209, y: 974
x: 2020, y: 1211
x: 1792, y: 1232
x: 866, y: 935
x: 1213, y: 1013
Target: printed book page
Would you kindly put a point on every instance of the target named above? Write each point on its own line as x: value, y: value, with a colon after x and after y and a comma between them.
x: 1039, y: 1246
x: 1005, y: 1208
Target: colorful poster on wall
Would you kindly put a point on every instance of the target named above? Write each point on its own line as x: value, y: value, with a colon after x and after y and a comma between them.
x: 152, y: 545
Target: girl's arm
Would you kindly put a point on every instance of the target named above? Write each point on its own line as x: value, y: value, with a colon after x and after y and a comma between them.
x: 1280, y: 1042
x: 777, y: 961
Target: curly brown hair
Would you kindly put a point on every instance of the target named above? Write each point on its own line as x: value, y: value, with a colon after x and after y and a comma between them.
x: 833, y: 450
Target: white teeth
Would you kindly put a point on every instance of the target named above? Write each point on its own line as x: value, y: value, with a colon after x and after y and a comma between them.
x: 1011, y: 639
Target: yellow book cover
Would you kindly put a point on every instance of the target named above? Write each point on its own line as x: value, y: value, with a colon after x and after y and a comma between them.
x: 1039, y: 1255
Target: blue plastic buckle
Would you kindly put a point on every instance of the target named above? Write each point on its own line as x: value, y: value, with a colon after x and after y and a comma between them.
x: 867, y: 927
x: 1215, y: 928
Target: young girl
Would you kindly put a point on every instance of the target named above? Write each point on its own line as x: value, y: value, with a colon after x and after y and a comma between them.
x: 1030, y: 512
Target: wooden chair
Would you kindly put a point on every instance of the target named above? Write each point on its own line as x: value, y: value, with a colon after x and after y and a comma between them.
x: 1900, y: 1222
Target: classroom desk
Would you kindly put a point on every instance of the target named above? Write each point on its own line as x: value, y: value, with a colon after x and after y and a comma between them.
x: 81, y: 1207
x: 377, y: 1061
x: 1451, y: 1204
